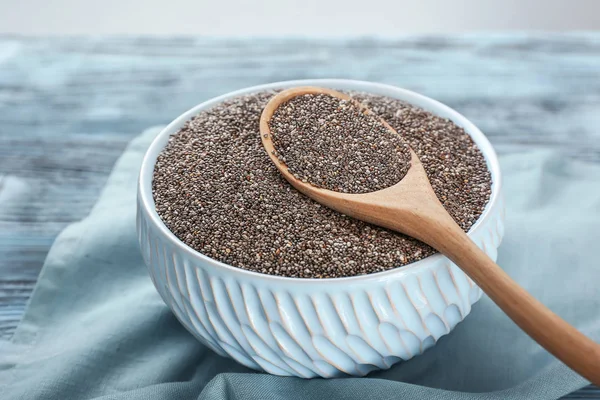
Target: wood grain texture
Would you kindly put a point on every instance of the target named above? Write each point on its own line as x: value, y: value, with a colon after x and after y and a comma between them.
x: 68, y: 107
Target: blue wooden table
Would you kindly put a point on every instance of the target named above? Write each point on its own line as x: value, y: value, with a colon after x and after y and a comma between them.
x: 68, y: 107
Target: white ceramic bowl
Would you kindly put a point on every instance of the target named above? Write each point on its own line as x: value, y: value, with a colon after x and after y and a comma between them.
x: 309, y: 327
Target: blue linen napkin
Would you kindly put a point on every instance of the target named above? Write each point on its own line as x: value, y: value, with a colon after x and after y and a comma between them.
x: 96, y: 328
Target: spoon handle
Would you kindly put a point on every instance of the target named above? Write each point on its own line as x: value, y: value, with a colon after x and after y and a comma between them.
x: 553, y: 333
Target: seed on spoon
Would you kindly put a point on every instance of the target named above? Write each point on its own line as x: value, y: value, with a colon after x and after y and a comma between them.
x: 335, y: 144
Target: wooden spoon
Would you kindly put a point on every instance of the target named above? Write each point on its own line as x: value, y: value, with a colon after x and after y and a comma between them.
x: 411, y: 207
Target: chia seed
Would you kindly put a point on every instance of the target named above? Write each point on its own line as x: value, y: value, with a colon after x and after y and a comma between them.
x: 331, y: 143
x: 217, y: 190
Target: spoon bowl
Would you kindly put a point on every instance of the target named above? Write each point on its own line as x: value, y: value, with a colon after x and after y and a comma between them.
x: 373, y: 207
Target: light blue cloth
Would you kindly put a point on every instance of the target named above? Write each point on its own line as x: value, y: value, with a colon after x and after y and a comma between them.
x: 96, y: 328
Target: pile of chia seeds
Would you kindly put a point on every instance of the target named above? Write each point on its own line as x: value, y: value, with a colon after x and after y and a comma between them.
x: 333, y: 144
x: 218, y: 191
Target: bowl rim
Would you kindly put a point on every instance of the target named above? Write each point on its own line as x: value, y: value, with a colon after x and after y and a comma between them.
x: 146, y: 199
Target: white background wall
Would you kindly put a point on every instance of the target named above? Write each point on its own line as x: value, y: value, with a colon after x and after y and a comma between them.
x: 305, y: 17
